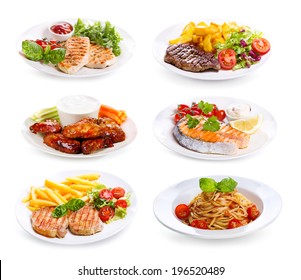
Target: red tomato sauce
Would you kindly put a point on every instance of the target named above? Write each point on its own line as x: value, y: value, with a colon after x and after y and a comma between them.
x: 61, y: 28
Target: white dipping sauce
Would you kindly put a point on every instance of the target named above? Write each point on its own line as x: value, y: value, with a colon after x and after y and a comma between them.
x: 73, y: 108
x: 238, y: 111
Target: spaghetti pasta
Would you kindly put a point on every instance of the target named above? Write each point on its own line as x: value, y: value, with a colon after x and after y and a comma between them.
x: 217, y: 210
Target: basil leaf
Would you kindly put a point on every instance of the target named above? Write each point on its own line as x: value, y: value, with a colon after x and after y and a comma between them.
x: 59, y: 211
x: 75, y: 204
x: 226, y: 185
x: 32, y: 50
x: 57, y: 55
x: 207, y: 184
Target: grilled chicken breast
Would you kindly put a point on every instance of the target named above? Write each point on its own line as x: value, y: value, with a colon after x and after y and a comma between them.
x: 77, y: 54
x: 44, y: 224
x: 100, y: 57
x: 85, y: 221
x: 225, y: 141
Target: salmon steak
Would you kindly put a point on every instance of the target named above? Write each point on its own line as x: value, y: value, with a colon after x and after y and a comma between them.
x: 85, y: 221
x: 225, y: 141
x: 100, y: 57
x: 43, y: 223
x: 77, y: 54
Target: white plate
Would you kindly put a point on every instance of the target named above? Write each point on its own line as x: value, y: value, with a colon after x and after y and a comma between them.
x: 36, y: 140
x: 163, y: 126
x: 161, y: 43
x: 266, y: 199
x: 40, y: 31
x: 23, y: 214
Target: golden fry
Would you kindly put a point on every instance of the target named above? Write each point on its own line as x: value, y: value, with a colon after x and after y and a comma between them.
x: 41, y: 202
x: 95, y: 176
x: 61, y: 188
x: 53, y: 196
x: 77, y: 180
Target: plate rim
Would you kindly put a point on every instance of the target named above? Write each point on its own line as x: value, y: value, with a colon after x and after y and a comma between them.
x: 222, y: 234
x: 19, y: 206
x: 203, y: 156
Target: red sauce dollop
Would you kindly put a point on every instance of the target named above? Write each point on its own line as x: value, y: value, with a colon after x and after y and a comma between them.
x: 61, y: 28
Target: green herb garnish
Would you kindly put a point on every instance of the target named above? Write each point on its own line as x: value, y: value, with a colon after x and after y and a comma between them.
x: 210, y: 185
x: 212, y: 124
x: 205, y: 107
x: 73, y: 204
x: 192, y: 122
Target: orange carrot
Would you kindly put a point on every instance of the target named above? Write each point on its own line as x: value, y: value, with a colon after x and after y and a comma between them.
x: 119, y: 116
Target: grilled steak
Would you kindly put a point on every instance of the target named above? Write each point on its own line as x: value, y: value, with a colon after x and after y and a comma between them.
x: 100, y: 57
x: 225, y: 141
x: 61, y: 143
x: 44, y: 224
x: 85, y: 221
x: 77, y: 54
x: 46, y: 127
x: 190, y: 58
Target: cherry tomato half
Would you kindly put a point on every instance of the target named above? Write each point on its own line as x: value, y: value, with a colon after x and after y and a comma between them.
x: 202, y: 224
x: 118, y: 192
x: 106, y: 194
x: 261, y: 46
x: 227, y: 59
x: 220, y: 114
x: 177, y: 117
x: 182, y: 106
x: 121, y: 203
x: 253, y: 212
x: 234, y: 223
x: 106, y: 213
x: 182, y: 211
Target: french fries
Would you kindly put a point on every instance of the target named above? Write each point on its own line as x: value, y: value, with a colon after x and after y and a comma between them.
x: 204, y: 35
x: 57, y: 193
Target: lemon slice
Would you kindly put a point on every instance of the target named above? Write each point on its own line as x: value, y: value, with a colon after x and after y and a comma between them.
x: 250, y: 125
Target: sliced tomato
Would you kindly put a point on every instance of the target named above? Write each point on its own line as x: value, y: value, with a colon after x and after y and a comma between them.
x: 182, y: 106
x: 227, y: 59
x: 121, y: 203
x: 106, y: 213
x: 182, y: 211
x: 202, y: 224
x: 234, y: 223
x: 106, y: 194
x: 253, y: 212
x: 118, y: 192
x: 261, y: 45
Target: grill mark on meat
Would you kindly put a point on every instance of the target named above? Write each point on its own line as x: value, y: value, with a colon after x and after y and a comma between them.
x: 190, y: 58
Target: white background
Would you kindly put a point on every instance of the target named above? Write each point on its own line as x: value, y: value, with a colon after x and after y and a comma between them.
x: 143, y: 88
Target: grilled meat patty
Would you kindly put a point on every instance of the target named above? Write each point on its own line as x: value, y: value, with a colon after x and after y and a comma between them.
x: 225, y: 141
x: 44, y: 224
x: 77, y: 54
x: 61, y: 143
x: 190, y: 58
x: 85, y: 221
x: 47, y: 126
x: 100, y: 57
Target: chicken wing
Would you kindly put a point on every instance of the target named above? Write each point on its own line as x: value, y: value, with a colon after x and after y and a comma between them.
x: 47, y: 126
x: 61, y: 143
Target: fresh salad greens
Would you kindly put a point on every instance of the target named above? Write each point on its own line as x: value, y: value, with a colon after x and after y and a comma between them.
x: 241, y: 43
x: 35, y: 52
x: 106, y: 35
x: 210, y: 185
x: 73, y: 204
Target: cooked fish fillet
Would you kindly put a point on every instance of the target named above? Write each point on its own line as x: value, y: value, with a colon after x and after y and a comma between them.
x: 77, y: 54
x: 44, y: 224
x: 225, y: 141
x: 100, y: 57
x: 85, y: 221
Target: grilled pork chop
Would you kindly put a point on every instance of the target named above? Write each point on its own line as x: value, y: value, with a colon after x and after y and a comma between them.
x: 190, y: 58
x: 225, y: 141
x: 85, y: 221
x: 44, y: 224
x: 77, y: 54
x: 100, y: 57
